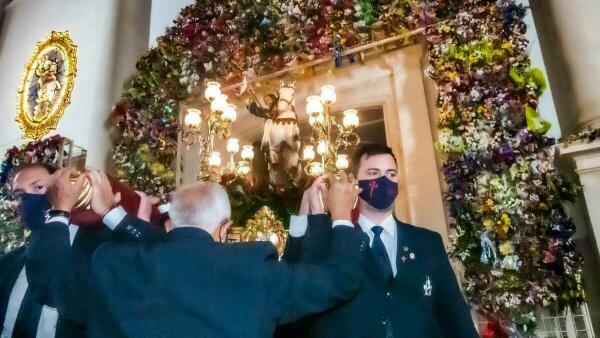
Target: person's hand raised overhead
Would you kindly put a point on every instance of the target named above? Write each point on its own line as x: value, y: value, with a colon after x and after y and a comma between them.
x: 341, y: 196
x: 64, y: 191
x: 103, y: 198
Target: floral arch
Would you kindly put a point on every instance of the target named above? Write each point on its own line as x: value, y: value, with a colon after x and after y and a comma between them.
x: 505, y: 198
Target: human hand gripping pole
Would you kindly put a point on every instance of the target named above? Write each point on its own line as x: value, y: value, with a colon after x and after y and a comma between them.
x: 341, y: 196
x: 64, y: 192
x: 103, y: 198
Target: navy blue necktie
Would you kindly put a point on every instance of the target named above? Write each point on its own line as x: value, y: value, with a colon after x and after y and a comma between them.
x: 381, y: 253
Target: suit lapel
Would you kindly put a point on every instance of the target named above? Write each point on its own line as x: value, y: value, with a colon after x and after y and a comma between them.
x: 405, y: 254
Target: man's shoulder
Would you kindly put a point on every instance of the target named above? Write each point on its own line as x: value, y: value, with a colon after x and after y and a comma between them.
x: 423, y: 236
x: 253, y: 250
x: 13, y: 255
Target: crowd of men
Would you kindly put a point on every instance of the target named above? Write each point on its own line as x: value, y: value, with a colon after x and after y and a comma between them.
x: 350, y: 268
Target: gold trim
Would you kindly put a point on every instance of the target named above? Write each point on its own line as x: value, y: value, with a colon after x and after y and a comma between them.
x: 265, y: 226
x: 37, y: 127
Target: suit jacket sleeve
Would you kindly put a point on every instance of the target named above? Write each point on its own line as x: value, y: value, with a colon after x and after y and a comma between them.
x: 302, y: 289
x: 134, y: 229
x: 292, y: 250
x: 451, y: 309
x: 317, y: 240
x: 47, y: 261
x: 58, y: 272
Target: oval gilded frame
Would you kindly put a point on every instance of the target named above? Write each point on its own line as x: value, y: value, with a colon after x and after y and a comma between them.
x: 45, y: 91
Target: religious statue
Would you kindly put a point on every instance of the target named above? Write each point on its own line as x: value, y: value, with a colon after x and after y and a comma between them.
x: 281, y: 135
x: 49, y: 87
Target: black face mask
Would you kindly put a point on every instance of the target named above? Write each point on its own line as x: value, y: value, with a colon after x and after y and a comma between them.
x: 32, y: 209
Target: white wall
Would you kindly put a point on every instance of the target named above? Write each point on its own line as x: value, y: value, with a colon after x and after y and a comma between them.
x: 568, y: 32
x: 110, y: 35
x: 163, y: 14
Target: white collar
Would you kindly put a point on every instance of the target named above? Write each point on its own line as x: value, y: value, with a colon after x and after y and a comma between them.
x: 388, y: 224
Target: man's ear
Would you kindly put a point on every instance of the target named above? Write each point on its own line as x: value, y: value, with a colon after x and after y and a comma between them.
x: 225, y: 229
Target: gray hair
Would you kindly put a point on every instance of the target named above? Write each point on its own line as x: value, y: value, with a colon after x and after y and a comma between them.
x: 202, y: 205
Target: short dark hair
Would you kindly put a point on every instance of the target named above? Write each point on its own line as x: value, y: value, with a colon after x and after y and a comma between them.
x: 367, y: 150
x: 47, y: 166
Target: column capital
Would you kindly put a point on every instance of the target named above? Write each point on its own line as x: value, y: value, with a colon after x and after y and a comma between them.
x: 585, y: 155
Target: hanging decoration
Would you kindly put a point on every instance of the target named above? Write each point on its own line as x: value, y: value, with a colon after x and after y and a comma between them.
x: 45, y: 91
x: 504, y: 194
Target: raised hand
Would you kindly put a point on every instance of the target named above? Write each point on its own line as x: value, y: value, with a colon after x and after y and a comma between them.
x: 315, y: 193
x: 146, y: 204
x: 64, y: 191
x: 304, y: 206
x: 103, y: 198
x: 341, y: 196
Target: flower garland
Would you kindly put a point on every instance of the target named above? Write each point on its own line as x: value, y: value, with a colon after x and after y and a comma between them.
x: 229, y: 40
x: 12, y: 234
x: 585, y: 136
x: 505, y: 197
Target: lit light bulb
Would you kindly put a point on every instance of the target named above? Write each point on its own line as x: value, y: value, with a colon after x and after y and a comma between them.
x: 274, y: 239
x: 233, y: 145
x: 213, y: 89
x: 322, y: 147
x: 320, y: 119
x: 193, y: 118
x: 244, y: 168
x: 229, y: 114
x: 328, y: 96
x: 215, y: 159
x: 315, y: 169
x: 341, y: 162
x: 247, y: 152
x: 350, y: 118
x: 314, y: 106
x: 308, y: 153
x: 219, y: 103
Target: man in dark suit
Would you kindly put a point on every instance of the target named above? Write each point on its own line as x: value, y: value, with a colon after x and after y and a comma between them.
x: 409, y: 288
x: 21, y: 315
x: 59, y: 252
x: 190, y: 283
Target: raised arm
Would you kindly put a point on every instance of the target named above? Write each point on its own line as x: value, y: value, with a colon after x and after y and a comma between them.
x: 303, y: 289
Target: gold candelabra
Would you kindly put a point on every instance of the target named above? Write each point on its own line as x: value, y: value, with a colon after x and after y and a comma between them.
x: 330, y: 140
x: 217, y: 127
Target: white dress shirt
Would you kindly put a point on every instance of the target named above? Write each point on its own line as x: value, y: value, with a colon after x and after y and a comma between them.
x: 389, y: 235
x: 48, y: 317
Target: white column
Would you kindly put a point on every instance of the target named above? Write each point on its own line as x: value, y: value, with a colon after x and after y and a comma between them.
x: 587, y: 161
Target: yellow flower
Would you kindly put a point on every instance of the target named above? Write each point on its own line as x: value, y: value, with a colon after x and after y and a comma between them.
x: 507, y: 248
x: 489, y: 203
x: 488, y: 223
x: 505, y: 222
x: 157, y: 168
x: 507, y: 45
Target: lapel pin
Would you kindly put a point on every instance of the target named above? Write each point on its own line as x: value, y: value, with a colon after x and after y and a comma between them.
x: 412, y: 255
x: 405, y: 249
x: 427, y: 287
x: 403, y: 259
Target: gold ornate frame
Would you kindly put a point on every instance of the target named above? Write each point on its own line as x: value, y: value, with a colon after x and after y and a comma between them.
x: 36, y: 127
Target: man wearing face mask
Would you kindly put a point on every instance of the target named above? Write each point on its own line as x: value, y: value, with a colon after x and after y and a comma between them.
x: 57, y: 255
x: 409, y: 289
x: 20, y: 314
